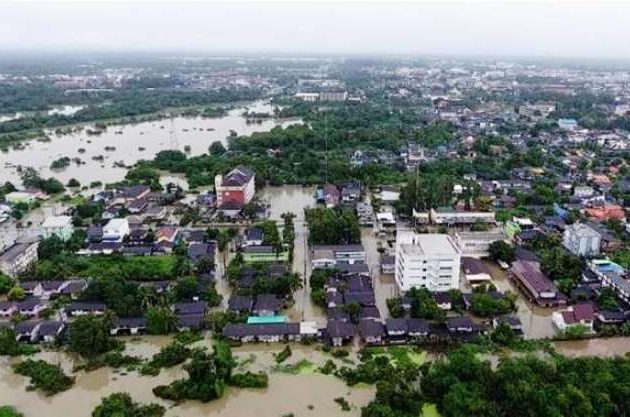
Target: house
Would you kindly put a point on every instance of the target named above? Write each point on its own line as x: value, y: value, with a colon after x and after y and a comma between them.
x: 350, y: 192
x: 327, y: 256
x: 417, y: 328
x: 25, y: 331
x: 32, y: 288
x: 263, y: 254
x: 137, y: 206
x: 94, y: 234
x: 579, y: 314
x: 388, y: 263
x: 605, y: 213
x: 49, y: 331
x: 610, y: 318
x: 396, y: 328
x: 240, y: 303
x: 238, y: 186
x: 31, y: 307
x: 60, y: 226
x: 128, y: 326
x: 339, y: 332
x: 82, y: 308
x: 198, y: 251
x: 18, y: 258
x: 475, y: 271
x: 268, y: 333
x: 538, y: 287
x: 389, y: 194
x: 156, y: 213
x: 51, y: 289
x: 429, y: 261
x: 512, y: 321
x: 254, y: 237
x: 191, y: 308
x: 169, y: 234
x: 267, y: 305
x: 460, y: 324
x: 582, y: 240
x: 135, y: 192
x: 371, y: 331
x: 188, y: 322
x: 331, y: 195
x: 8, y: 308
x: 116, y: 230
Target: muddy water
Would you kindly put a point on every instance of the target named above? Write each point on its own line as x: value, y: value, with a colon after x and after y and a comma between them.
x: 604, y: 347
x: 536, y: 320
x: 295, y: 199
x: 196, y: 132
x: 384, y: 285
x: 303, y: 394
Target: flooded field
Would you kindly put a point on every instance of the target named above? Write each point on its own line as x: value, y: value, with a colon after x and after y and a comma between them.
x: 305, y: 394
x: 132, y: 142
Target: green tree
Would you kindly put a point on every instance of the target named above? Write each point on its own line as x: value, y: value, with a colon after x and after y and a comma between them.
x: 160, y: 320
x: 121, y: 405
x: 89, y: 336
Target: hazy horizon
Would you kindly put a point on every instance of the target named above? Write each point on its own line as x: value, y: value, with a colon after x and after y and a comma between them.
x: 545, y: 29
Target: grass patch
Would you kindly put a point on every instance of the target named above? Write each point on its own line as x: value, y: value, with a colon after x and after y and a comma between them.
x: 430, y: 410
x: 401, y: 356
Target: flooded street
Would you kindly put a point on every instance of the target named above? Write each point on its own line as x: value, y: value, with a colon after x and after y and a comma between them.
x: 132, y: 142
x: 384, y: 285
x: 294, y: 198
x: 536, y: 320
x: 304, y: 394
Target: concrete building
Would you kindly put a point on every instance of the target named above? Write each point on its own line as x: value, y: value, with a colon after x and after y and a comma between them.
x: 451, y: 217
x: 477, y: 244
x: 429, y: 261
x: 18, y: 258
x: 237, y: 187
x: 60, y: 226
x: 582, y: 240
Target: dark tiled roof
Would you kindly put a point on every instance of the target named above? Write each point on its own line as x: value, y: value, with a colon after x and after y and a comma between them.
x: 371, y: 328
x: 338, y: 328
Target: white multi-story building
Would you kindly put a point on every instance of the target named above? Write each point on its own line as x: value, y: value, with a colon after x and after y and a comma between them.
x: 582, y: 240
x: 429, y: 261
x: 60, y: 226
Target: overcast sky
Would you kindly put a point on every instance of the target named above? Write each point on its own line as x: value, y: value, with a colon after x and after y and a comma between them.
x: 564, y: 28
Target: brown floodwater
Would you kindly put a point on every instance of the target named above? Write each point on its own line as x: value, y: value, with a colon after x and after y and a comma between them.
x: 536, y: 320
x: 294, y: 198
x: 604, y: 347
x: 128, y: 139
x: 305, y: 394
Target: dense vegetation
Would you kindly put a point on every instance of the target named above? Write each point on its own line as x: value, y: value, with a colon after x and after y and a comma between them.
x: 48, y: 378
x: 121, y: 405
x: 332, y: 226
x: 208, y: 376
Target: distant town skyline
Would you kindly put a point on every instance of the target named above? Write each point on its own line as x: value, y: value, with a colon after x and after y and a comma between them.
x: 551, y: 28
